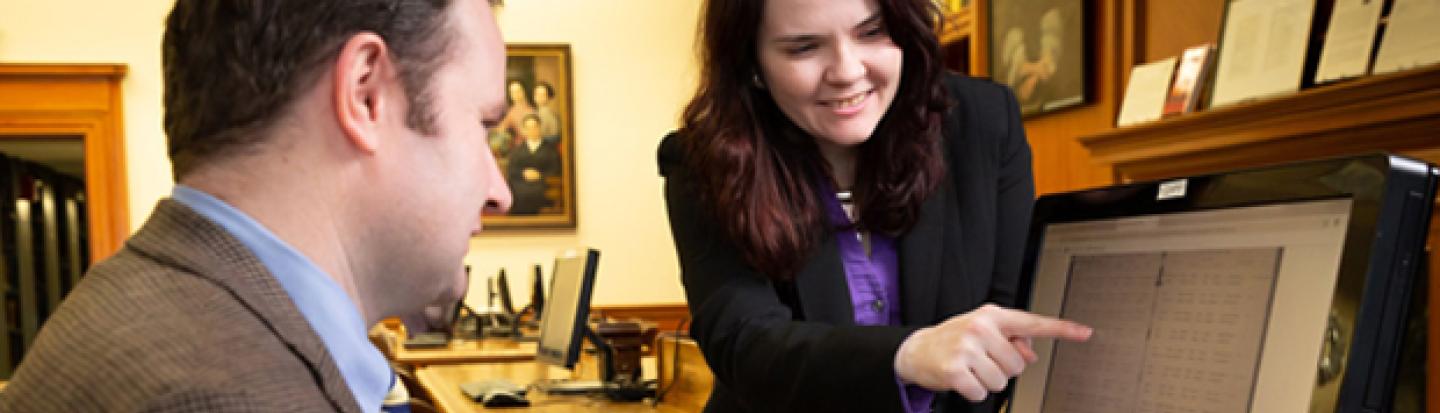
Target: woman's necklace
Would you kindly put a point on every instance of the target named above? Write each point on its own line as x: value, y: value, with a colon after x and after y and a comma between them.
x: 847, y: 202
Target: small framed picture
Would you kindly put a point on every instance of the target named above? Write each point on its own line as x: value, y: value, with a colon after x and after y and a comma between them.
x: 1039, y: 49
x: 535, y: 142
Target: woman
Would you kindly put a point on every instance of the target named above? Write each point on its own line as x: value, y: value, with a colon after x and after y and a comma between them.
x: 798, y: 296
x: 520, y: 107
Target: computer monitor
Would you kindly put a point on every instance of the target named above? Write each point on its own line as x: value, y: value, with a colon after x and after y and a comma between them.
x: 1281, y: 289
x: 537, y: 294
x: 563, y: 328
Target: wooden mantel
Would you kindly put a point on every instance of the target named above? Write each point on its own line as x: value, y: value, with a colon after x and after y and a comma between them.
x: 1397, y: 113
x: 84, y: 101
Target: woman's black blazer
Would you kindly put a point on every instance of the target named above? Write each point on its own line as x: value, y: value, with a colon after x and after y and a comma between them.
x: 794, y: 346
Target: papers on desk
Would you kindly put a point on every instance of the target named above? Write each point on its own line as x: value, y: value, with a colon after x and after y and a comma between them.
x: 1262, y: 49
x: 1146, y: 91
x: 1412, y: 36
x: 1350, y: 40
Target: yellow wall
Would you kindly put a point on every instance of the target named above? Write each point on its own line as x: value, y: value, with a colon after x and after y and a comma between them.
x: 94, y: 31
x: 633, y: 68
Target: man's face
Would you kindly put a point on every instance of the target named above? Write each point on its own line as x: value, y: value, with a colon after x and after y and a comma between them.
x: 442, y: 182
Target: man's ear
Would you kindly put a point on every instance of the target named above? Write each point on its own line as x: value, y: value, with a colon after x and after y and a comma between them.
x: 363, y: 70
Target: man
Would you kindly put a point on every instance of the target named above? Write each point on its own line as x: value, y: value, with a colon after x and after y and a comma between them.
x: 331, y: 165
x: 530, y: 162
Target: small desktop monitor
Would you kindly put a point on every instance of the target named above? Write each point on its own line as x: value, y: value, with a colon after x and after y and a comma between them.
x: 537, y: 293
x: 1280, y: 289
x: 562, y: 329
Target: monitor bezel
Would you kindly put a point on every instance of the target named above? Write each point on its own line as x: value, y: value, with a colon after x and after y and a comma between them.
x: 1382, y: 230
x: 568, y: 356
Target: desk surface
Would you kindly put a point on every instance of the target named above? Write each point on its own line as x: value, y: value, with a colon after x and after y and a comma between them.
x: 442, y: 382
x: 490, y: 350
x: 467, y: 351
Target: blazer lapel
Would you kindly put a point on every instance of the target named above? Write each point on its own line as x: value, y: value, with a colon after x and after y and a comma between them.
x: 179, y: 236
x: 921, y: 251
x: 823, y: 289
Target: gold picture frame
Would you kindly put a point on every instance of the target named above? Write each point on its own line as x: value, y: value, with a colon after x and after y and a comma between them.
x: 534, y: 143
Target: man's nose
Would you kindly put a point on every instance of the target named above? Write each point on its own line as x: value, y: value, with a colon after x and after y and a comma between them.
x: 497, y: 197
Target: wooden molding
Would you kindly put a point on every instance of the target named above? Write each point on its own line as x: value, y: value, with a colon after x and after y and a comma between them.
x: 115, y: 71
x: 1398, y: 112
x: 77, y: 100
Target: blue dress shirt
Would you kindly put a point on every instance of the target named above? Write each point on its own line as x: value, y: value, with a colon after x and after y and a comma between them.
x: 328, y: 309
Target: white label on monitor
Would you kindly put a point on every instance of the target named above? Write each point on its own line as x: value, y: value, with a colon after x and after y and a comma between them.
x: 1172, y: 190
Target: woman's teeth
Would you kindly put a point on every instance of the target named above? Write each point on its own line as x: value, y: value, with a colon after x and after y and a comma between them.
x: 845, y: 103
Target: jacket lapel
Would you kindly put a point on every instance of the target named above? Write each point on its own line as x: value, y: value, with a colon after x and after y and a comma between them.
x: 178, y: 236
x: 923, y: 248
x: 823, y: 289
x: 921, y: 251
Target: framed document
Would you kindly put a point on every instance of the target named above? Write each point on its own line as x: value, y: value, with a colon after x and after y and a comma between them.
x: 1350, y: 40
x: 1145, y: 92
x: 1191, y: 78
x: 1262, y: 49
x: 1412, y: 37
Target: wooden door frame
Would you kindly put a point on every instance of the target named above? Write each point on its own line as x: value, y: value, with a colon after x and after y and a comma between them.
x: 76, y: 100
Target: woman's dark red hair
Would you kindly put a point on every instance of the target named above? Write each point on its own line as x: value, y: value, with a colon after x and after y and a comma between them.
x: 755, y: 169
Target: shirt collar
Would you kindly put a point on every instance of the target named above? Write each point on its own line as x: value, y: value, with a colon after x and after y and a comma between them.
x: 325, y: 306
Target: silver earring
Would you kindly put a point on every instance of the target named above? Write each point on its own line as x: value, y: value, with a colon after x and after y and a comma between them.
x: 756, y: 80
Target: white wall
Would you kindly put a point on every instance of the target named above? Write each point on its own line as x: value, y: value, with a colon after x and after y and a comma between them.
x: 633, y: 65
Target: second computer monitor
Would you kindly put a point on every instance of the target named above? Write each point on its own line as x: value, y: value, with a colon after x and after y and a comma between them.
x: 562, y: 328
x: 537, y: 294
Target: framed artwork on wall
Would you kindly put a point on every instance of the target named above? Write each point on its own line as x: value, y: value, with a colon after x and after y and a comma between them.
x: 534, y: 143
x: 1039, y: 49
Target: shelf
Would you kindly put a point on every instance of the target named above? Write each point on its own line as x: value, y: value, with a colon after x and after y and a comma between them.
x: 1398, y: 112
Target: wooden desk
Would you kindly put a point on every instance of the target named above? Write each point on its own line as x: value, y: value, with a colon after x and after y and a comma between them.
x: 688, y: 386
x: 456, y: 352
x: 467, y: 351
x: 442, y: 383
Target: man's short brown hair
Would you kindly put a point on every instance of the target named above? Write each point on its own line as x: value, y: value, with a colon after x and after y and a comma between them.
x: 232, y: 66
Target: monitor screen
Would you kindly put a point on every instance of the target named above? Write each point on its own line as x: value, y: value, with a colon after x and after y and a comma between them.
x: 1217, y: 310
x: 563, y: 324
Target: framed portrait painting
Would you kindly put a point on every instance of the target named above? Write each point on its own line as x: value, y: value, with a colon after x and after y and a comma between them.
x: 534, y: 143
x: 1038, y: 48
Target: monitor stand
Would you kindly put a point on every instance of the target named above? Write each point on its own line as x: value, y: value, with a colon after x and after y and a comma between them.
x: 620, y: 377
